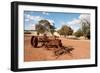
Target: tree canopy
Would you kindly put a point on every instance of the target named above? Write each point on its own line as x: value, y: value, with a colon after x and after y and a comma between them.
x: 43, y: 26
x: 65, y: 30
x: 78, y: 33
x: 85, y: 28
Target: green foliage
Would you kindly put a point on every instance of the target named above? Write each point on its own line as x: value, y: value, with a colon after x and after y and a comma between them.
x: 45, y: 23
x: 78, y: 33
x: 65, y: 30
x: 52, y: 29
x: 40, y: 29
x: 43, y: 26
x: 86, y: 28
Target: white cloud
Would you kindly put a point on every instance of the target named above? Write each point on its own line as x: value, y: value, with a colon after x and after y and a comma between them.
x: 32, y: 27
x: 45, y: 13
x: 62, y: 23
x: 26, y: 20
x: 85, y: 16
x: 34, y: 18
x: 74, y: 24
x: 74, y: 21
x: 78, y: 20
x: 26, y: 15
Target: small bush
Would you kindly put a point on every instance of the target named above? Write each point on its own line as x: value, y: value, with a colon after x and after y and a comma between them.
x: 27, y: 32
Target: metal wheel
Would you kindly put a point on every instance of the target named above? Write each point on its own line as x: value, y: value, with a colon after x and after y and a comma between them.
x: 34, y: 41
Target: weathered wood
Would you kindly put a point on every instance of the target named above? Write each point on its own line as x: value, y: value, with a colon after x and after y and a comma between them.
x: 51, y: 43
x: 63, y: 50
x: 46, y: 42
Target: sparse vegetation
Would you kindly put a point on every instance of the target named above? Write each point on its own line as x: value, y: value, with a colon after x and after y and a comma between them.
x: 27, y: 32
x: 85, y: 28
x: 65, y: 30
x: 78, y: 33
x: 45, y: 26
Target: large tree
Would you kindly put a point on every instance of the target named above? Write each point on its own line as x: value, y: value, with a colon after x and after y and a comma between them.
x: 52, y: 29
x: 85, y: 28
x: 45, y: 23
x: 65, y: 30
x: 43, y: 26
x: 40, y: 29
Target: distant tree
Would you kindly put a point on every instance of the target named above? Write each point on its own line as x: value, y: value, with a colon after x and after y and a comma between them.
x: 65, y: 30
x: 60, y: 32
x: 78, y: 33
x: 85, y: 28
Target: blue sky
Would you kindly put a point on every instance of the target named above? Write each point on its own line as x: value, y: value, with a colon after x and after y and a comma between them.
x: 31, y: 18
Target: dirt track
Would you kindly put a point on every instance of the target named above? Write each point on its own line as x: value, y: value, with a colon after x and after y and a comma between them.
x: 81, y: 51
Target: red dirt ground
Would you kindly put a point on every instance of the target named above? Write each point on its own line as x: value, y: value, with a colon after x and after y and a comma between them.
x: 81, y: 50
